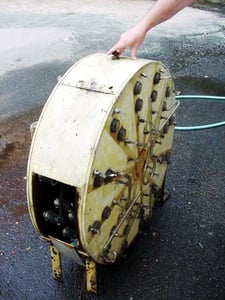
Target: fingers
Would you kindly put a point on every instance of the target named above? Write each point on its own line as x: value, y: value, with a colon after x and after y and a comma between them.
x: 134, y: 52
x: 117, y: 51
x: 113, y: 49
x: 132, y: 39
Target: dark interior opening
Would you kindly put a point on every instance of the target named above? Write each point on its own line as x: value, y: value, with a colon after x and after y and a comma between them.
x: 55, y: 207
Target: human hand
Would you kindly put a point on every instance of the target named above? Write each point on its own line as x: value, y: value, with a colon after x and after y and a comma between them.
x: 132, y: 39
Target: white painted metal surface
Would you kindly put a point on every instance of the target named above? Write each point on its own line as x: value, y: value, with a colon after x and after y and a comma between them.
x: 107, y: 130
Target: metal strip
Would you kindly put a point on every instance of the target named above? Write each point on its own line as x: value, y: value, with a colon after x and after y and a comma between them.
x: 67, y: 249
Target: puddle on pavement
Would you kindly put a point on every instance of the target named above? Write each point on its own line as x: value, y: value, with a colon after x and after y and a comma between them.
x: 15, y: 138
x: 194, y: 112
x: 15, y: 141
x: 199, y: 85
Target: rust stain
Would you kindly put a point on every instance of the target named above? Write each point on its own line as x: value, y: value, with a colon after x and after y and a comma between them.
x: 15, y: 143
x: 138, y: 170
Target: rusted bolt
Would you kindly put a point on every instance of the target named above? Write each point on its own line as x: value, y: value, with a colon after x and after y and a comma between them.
x: 155, y: 190
x: 124, y: 246
x: 109, y: 174
x: 154, y: 95
x: 164, y: 106
x: 126, y: 229
x: 98, y: 180
x: 166, y: 128
x: 95, y: 227
x: 167, y: 92
x: 106, y: 213
x: 112, y: 231
x: 172, y: 120
x: 137, y: 88
x: 121, y: 136
x: 141, y: 120
x: 157, y: 78
x: 138, y: 105
x: 116, y: 54
x: 167, y: 157
x: 144, y: 75
x: 114, y: 126
x: 69, y: 232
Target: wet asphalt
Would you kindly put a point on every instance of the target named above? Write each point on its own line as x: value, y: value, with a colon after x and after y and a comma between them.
x: 180, y: 252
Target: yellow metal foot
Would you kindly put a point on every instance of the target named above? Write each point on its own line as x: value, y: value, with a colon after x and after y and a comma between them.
x: 91, y: 276
x: 56, y: 263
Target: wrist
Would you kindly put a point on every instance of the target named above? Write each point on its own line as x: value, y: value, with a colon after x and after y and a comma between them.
x: 142, y: 27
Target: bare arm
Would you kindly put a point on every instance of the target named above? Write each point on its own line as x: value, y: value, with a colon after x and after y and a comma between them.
x: 161, y: 11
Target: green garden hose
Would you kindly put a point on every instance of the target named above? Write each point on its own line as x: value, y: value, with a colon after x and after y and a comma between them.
x: 200, y: 127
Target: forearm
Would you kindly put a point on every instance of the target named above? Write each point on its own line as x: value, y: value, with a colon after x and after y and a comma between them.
x: 161, y: 11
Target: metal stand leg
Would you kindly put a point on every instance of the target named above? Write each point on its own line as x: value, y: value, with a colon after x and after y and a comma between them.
x: 91, y: 276
x: 56, y: 263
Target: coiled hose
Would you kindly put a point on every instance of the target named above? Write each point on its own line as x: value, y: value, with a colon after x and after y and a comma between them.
x: 199, y: 127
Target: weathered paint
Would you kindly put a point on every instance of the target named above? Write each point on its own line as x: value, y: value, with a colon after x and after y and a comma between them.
x: 119, y: 170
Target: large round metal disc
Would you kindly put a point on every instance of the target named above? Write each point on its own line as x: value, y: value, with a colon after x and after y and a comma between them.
x: 107, y: 130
